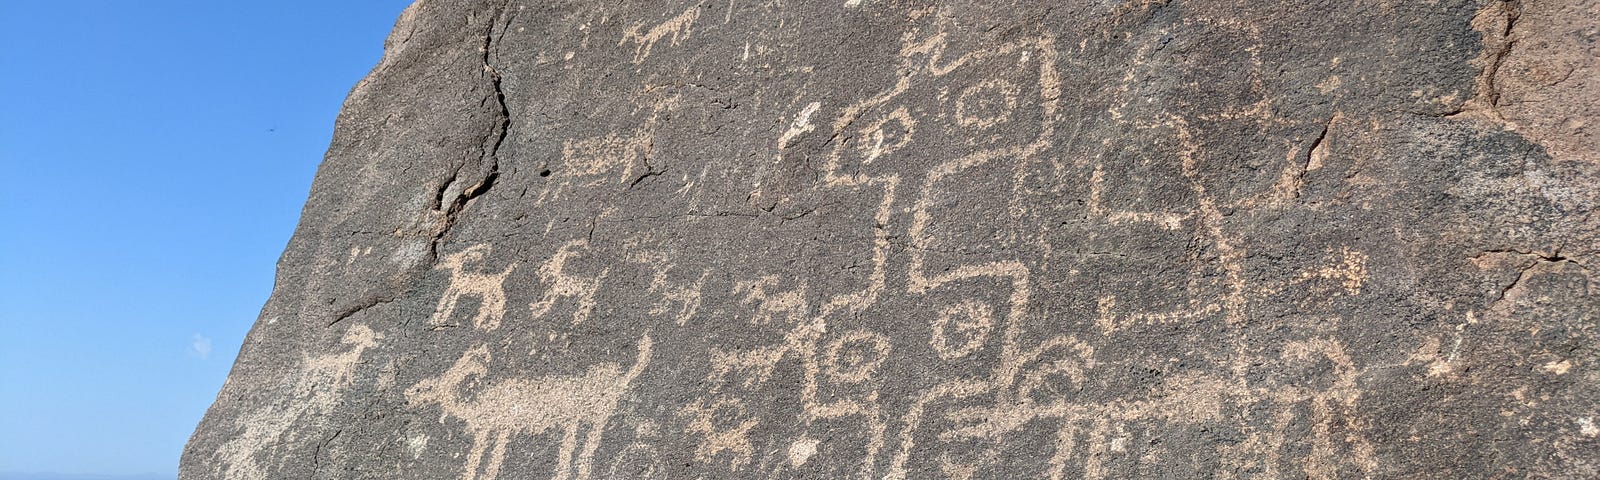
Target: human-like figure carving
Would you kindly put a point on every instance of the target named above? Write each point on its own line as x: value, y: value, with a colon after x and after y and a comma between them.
x: 529, y: 406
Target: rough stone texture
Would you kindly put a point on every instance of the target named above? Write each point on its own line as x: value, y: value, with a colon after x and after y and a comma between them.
x: 919, y: 239
x: 1541, y: 73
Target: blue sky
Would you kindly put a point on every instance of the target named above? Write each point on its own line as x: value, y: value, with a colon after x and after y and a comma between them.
x: 155, y: 155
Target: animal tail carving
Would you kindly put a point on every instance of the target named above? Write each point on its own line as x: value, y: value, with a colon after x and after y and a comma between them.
x: 639, y: 361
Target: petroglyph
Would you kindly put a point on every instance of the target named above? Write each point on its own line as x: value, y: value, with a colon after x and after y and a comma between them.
x: 1343, y: 274
x: 986, y: 104
x: 922, y: 280
x: 785, y: 308
x: 505, y: 409
x: 884, y: 138
x: 1111, y: 319
x: 1089, y: 432
x: 709, y: 419
x: 801, y: 125
x: 336, y: 368
x: 607, y: 154
x: 962, y: 328
x: 615, y: 159
x: 249, y: 454
x: 558, y: 284
x: 845, y: 360
x: 941, y: 241
x: 591, y: 163
x: 1097, y: 206
x: 854, y: 357
x: 679, y: 27
x: 1210, y: 217
x: 488, y: 288
x: 680, y: 299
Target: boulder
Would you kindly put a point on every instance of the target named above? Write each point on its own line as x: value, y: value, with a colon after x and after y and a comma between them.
x: 917, y: 239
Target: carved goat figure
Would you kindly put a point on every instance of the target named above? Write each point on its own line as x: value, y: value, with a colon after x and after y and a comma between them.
x: 529, y: 406
x: 488, y: 287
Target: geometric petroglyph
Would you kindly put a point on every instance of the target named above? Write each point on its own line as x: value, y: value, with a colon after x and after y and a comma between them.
x: 963, y: 265
x: 962, y: 328
x: 838, y: 369
x: 886, y: 135
x: 986, y: 104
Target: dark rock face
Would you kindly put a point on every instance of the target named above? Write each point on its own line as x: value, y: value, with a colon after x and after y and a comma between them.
x: 916, y: 239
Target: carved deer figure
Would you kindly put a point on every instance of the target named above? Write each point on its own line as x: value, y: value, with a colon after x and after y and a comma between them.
x: 529, y: 406
x: 488, y: 287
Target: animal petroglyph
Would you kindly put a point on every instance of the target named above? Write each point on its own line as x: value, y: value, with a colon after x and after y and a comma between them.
x: 679, y: 27
x: 679, y: 299
x: 313, y: 391
x: 1118, y: 240
x: 784, y: 308
x: 488, y: 288
x: 594, y: 162
x: 1088, y: 432
x: 560, y: 285
x: 337, y: 368
x: 709, y: 419
x: 501, y: 410
x: 606, y: 154
x: 614, y: 159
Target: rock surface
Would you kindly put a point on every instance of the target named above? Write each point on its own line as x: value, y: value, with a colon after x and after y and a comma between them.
x: 921, y: 239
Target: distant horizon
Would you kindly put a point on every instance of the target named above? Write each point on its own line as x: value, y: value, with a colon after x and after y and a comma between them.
x: 160, y: 153
x: 85, y: 476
